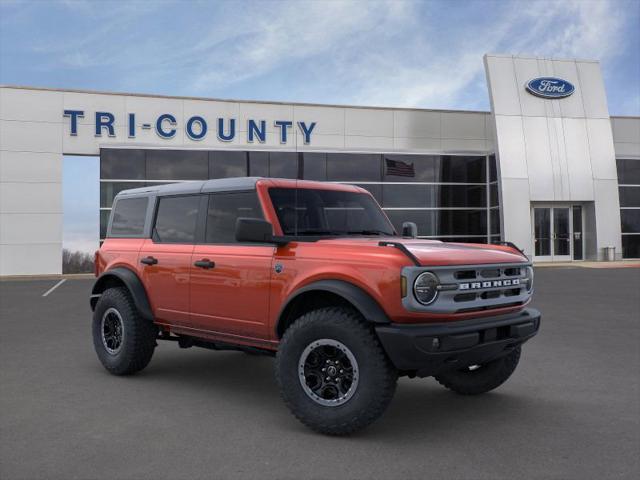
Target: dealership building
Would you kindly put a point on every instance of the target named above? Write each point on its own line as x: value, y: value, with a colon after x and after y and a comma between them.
x: 547, y: 168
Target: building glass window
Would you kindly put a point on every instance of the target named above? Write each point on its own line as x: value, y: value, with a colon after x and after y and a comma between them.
x: 177, y: 165
x: 283, y: 165
x: 631, y: 246
x: 314, y: 166
x: 227, y: 164
x: 629, y: 192
x: 354, y: 167
x: 628, y: 171
x: 122, y: 164
x: 258, y: 164
x: 447, y: 196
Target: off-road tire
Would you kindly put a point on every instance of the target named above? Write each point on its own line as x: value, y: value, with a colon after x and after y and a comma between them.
x: 377, y: 376
x: 139, y: 339
x: 489, y: 376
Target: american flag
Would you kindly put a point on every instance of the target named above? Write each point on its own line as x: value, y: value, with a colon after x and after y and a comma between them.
x: 399, y: 168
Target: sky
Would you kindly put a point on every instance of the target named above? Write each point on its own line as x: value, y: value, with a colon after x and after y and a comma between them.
x: 385, y: 53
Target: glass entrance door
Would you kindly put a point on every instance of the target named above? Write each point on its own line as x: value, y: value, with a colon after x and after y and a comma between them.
x: 557, y: 233
x: 561, y: 234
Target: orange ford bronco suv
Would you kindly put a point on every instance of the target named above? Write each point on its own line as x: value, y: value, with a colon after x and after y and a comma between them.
x: 315, y: 274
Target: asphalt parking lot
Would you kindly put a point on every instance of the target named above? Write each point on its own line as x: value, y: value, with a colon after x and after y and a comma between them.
x: 571, y: 410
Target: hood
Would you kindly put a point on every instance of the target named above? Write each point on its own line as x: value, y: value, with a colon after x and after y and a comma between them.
x: 435, y: 253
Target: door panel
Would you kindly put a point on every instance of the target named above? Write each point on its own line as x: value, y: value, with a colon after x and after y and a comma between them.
x: 167, y: 281
x: 233, y: 296
x: 542, y: 229
x: 561, y: 233
x: 577, y: 232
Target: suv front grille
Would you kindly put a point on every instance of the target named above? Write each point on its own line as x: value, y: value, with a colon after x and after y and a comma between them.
x: 473, y: 288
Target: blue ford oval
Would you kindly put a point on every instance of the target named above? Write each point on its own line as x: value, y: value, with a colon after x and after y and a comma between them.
x: 550, y: 87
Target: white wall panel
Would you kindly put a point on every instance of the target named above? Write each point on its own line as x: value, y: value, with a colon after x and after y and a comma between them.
x: 416, y: 124
x: 30, y: 167
x: 31, y: 259
x: 626, y: 130
x: 369, y: 122
x: 30, y: 105
x: 538, y: 155
x: 420, y: 144
x: 516, y: 213
x: 321, y: 142
x: 18, y: 136
x: 329, y: 120
x: 525, y: 70
x: 358, y: 142
x: 601, y: 149
x: 592, y: 85
x: 30, y: 197
x: 460, y: 145
x: 503, y: 86
x: 25, y: 228
x: 511, y: 147
x: 607, y: 209
x: 465, y: 126
x: 578, y: 159
x: 571, y: 106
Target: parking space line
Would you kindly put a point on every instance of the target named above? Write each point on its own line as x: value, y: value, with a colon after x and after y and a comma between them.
x: 54, y: 287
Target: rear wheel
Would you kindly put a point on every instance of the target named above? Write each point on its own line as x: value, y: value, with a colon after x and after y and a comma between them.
x: 123, y: 340
x: 478, y: 379
x: 332, y: 372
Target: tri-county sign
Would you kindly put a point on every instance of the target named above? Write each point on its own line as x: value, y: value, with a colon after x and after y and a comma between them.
x: 550, y: 87
x: 196, y: 127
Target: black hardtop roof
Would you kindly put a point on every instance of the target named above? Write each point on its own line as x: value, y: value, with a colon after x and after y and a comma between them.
x: 197, y: 186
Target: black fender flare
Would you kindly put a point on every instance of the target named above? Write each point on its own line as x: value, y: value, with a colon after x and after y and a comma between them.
x: 356, y: 296
x: 133, y: 284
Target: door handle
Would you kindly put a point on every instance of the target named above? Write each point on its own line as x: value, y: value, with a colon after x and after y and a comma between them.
x: 149, y: 260
x: 204, y: 263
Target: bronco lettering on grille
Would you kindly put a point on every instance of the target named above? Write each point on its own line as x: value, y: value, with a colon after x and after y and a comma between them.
x: 489, y: 284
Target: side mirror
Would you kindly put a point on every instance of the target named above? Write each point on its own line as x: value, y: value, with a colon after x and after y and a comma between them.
x: 250, y: 230
x: 409, y: 229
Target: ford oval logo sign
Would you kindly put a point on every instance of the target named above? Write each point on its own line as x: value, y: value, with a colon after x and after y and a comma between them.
x: 550, y: 87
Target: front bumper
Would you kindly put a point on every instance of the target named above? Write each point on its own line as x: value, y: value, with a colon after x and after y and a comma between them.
x: 427, y: 350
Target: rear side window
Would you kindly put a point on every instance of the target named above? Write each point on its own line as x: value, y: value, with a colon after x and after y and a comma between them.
x: 224, y: 209
x: 128, y: 217
x: 176, y: 219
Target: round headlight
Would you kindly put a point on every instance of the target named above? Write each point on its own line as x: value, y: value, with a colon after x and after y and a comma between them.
x: 529, y: 277
x: 425, y: 288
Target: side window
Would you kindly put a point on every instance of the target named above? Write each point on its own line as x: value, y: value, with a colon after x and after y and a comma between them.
x: 128, y: 217
x: 176, y: 219
x: 224, y: 210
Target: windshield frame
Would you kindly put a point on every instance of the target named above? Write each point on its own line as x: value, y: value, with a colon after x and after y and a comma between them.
x: 379, y: 228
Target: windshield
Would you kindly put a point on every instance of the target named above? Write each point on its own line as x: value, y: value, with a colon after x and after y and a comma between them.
x: 328, y: 212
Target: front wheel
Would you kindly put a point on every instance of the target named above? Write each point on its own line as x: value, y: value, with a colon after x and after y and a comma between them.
x: 478, y: 379
x: 332, y: 372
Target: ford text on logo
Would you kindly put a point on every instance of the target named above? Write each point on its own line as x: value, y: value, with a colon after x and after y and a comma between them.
x: 196, y: 127
x: 550, y: 87
x: 489, y: 284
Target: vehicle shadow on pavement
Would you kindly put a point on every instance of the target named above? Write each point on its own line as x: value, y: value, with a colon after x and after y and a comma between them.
x: 421, y: 408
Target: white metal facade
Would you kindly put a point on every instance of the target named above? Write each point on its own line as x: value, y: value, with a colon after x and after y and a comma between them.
x: 548, y: 150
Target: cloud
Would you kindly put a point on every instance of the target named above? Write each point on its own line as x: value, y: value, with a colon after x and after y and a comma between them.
x: 387, y: 52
